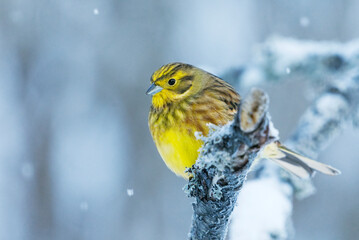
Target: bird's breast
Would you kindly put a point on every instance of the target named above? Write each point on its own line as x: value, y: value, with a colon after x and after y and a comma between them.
x: 173, y: 130
x: 179, y: 149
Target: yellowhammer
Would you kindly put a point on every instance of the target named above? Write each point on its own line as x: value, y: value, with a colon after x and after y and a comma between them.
x: 185, y: 99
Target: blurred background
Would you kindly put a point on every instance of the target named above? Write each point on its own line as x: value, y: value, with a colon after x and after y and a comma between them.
x: 76, y: 158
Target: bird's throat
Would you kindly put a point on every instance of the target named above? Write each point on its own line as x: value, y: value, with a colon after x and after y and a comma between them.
x: 163, y: 99
x: 159, y: 101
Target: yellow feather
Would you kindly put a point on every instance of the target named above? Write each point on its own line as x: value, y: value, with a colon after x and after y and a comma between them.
x: 178, y: 149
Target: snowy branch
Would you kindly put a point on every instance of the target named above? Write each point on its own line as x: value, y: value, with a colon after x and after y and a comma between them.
x: 279, y: 58
x: 333, y: 66
x: 223, y: 165
x: 265, y: 203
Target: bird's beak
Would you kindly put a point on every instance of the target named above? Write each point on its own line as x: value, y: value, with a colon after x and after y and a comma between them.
x: 154, y: 89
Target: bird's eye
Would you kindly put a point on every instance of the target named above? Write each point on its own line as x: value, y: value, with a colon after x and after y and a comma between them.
x: 171, y: 81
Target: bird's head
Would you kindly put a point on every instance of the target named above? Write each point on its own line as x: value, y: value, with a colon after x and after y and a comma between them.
x: 175, y: 82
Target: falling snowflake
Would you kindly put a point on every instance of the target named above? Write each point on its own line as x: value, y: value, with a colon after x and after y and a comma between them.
x: 130, y: 192
x: 287, y: 70
x: 95, y: 11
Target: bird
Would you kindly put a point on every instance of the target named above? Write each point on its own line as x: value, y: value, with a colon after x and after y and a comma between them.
x: 185, y: 100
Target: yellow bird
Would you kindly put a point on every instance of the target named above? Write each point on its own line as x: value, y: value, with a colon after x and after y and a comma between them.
x: 184, y: 100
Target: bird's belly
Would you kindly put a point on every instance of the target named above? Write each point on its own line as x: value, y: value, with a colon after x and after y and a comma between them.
x: 178, y: 148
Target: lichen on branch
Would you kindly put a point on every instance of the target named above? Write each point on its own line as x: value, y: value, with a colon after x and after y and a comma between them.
x: 223, y: 165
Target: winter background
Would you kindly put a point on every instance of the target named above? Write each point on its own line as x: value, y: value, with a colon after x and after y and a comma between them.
x: 76, y: 158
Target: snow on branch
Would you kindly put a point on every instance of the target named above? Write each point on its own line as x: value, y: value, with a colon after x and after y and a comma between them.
x: 265, y: 207
x: 279, y: 58
x: 327, y: 116
x: 223, y: 165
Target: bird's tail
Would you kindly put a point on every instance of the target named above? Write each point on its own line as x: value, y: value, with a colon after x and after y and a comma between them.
x: 295, y: 163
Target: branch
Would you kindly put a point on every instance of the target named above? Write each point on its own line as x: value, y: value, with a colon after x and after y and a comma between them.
x: 269, y: 195
x: 282, y: 58
x: 265, y: 207
x: 222, y: 167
